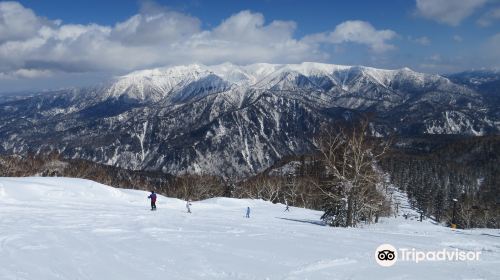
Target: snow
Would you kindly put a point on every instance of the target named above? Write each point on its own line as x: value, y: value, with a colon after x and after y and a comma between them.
x: 285, y: 170
x: 171, y: 82
x: 63, y: 228
x: 141, y: 139
x: 453, y: 122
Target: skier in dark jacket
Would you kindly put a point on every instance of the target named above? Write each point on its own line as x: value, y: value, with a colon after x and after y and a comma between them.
x: 152, y: 196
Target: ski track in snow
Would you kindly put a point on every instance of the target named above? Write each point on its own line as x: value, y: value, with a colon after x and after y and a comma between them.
x: 62, y: 228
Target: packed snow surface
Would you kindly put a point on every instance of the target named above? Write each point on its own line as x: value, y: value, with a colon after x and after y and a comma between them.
x: 61, y: 228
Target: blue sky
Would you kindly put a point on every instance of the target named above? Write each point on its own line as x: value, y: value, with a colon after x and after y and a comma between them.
x: 56, y: 43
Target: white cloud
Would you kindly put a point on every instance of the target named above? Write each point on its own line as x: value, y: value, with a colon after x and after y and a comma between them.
x: 424, y: 40
x: 458, y: 38
x: 489, y: 17
x: 18, y: 23
x: 32, y: 46
x: 155, y: 27
x: 450, y: 12
x: 26, y: 73
x: 357, y: 31
x: 435, y: 57
x: 247, y: 27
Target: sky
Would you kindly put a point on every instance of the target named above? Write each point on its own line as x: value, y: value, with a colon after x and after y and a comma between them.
x: 54, y: 44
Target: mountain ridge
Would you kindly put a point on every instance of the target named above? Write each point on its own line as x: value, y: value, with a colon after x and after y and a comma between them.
x: 235, y: 120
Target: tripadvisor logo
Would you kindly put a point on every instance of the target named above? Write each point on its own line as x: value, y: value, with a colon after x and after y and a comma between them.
x: 387, y: 255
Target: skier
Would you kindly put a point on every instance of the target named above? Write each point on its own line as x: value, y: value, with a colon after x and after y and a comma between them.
x: 152, y: 196
x: 188, y: 204
x: 248, y: 213
x: 287, y: 209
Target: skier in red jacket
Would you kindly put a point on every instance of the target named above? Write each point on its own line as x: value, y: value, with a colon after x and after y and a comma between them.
x: 152, y: 196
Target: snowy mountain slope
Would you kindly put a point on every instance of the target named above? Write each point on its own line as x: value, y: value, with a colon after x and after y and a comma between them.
x: 234, y: 120
x: 486, y: 81
x: 63, y: 228
x: 171, y: 83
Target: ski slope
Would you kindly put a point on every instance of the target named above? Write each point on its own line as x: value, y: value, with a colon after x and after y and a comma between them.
x: 63, y: 228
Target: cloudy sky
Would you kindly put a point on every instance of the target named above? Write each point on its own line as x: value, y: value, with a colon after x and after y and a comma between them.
x: 58, y: 43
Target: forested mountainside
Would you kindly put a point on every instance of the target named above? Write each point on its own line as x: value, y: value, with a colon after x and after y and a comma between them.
x: 235, y: 121
x: 443, y: 169
x: 432, y: 170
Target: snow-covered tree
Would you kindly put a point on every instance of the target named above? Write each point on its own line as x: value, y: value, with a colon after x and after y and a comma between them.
x: 350, y: 182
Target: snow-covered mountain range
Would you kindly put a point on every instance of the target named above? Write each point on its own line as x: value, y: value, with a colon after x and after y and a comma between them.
x: 236, y: 120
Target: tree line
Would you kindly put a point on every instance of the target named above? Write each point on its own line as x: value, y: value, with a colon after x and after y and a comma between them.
x: 339, y: 178
x: 466, y: 170
x: 344, y: 177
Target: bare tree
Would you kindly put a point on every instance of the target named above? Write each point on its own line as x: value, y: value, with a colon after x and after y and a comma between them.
x: 350, y: 182
x: 264, y: 187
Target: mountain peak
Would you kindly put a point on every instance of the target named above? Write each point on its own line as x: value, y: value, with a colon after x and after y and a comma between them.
x: 163, y: 71
x: 160, y: 83
x: 190, y: 118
